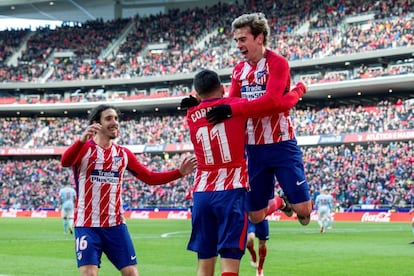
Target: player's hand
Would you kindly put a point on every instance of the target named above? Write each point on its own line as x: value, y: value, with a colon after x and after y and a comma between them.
x: 188, y: 165
x: 90, y: 132
x: 219, y: 113
x: 302, y: 88
x: 188, y: 102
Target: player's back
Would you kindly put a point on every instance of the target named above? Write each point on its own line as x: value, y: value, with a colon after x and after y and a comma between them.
x: 219, y: 145
x: 324, y: 200
x: 219, y: 148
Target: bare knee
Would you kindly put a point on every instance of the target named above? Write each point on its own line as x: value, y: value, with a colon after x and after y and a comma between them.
x: 303, y: 211
x: 303, y: 208
x: 257, y: 216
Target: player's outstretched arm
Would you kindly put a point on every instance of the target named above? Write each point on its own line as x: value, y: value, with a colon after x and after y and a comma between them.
x: 222, y: 112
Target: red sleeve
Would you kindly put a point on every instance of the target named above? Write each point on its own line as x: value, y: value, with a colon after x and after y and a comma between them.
x: 274, y: 100
x: 70, y: 156
x: 235, y: 90
x: 288, y: 101
x: 147, y: 176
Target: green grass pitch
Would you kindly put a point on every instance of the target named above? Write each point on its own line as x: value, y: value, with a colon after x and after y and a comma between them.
x: 38, y: 247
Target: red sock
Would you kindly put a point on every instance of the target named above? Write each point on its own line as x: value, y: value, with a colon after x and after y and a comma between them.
x: 229, y: 274
x: 262, y: 257
x: 252, y: 252
x: 275, y: 203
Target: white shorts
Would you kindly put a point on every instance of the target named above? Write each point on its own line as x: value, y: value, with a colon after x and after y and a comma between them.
x: 68, y: 213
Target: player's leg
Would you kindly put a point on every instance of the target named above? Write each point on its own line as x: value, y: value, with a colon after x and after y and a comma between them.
x: 325, y: 221
x: 130, y: 270
x: 65, y: 224
x: 88, y: 270
x: 205, y: 267
x: 279, y: 203
x: 88, y: 250
x: 232, y: 230
x: 230, y: 261
x: 250, y: 244
x: 204, y: 232
x: 291, y: 176
x: 320, y: 220
x: 286, y: 206
x: 64, y: 215
x: 70, y: 220
x: 330, y: 220
x: 262, y: 257
x: 261, y: 214
x: 262, y: 233
x: 261, y: 199
x: 119, y: 249
x: 229, y: 266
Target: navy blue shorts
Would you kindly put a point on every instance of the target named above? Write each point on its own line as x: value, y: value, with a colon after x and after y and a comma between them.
x: 114, y: 241
x: 260, y: 230
x: 281, y: 161
x: 219, y: 224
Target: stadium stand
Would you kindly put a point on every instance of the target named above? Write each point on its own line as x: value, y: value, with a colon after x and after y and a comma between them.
x: 355, y: 125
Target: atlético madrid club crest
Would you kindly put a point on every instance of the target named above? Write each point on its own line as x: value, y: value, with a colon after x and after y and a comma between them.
x: 261, y: 77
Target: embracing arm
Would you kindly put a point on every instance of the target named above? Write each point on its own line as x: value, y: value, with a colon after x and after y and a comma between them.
x: 253, y: 109
x: 158, y: 178
x: 275, y: 100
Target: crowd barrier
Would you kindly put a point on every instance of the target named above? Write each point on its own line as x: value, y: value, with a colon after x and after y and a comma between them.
x: 368, y: 216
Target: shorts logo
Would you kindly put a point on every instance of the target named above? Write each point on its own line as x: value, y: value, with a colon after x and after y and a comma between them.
x: 300, y: 183
x: 79, y: 256
x: 133, y: 257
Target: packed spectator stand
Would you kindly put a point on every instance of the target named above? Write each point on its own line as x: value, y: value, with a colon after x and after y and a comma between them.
x: 376, y: 173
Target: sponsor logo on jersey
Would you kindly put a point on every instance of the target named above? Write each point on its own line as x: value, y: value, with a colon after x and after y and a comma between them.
x: 253, y: 91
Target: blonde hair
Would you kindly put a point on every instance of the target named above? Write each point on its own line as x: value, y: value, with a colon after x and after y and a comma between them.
x: 257, y: 23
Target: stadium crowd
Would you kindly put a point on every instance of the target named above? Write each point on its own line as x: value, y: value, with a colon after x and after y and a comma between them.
x: 186, y: 50
x: 172, y: 129
x: 377, y: 174
x: 374, y: 174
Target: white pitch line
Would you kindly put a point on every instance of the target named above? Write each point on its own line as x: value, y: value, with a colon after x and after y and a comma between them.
x: 166, y: 235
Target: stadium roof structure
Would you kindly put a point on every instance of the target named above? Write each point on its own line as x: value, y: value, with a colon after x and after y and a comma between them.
x: 83, y: 10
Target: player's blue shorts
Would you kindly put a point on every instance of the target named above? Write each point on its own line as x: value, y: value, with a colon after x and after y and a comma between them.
x: 114, y: 241
x: 267, y: 162
x: 261, y: 229
x: 219, y: 224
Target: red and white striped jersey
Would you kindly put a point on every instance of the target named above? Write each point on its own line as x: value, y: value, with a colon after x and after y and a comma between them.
x: 98, y: 177
x: 270, y: 75
x: 219, y: 148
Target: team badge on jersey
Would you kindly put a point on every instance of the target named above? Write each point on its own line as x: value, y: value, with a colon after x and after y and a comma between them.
x: 260, y: 77
x: 117, y: 160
